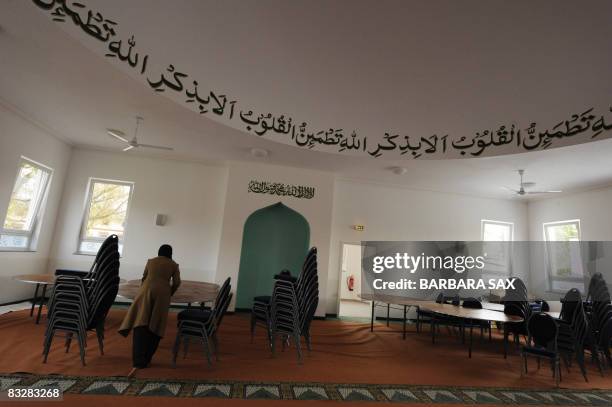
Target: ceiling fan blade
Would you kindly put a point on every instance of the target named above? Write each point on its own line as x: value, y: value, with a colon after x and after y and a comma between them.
x: 157, y: 147
x: 118, y: 134
x: 128, y: 148
x: 544, y: 192
x: 510, y: 189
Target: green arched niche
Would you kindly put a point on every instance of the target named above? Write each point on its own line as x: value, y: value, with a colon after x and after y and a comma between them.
x: 274, y: 238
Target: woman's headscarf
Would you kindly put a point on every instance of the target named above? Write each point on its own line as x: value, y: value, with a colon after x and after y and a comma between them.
x: 165, y: 250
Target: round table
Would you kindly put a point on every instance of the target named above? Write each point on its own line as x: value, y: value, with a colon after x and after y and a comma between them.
x: 43, y: 280
x: 40, y: 280
x: 188, y: 292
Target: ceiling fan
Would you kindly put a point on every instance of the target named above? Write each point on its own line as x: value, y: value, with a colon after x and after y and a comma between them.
x: 523, y: 185
x: 133, y: 143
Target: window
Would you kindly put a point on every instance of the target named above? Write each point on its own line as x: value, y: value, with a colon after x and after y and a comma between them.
x: 497, y: 234
x: 25, y: 206
x: 563, y: 255
x: 496, y: 231
x: 106, y: 212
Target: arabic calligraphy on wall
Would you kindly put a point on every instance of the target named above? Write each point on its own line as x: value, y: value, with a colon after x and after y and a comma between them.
x: 278, y: 188
x: 506, y: 137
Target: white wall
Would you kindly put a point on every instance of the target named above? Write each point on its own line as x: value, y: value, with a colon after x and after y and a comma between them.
x: 192, y: 195
x: 593, y: 208
x: 19, y: 137
x: 240, y: 204
x: 402, y: 214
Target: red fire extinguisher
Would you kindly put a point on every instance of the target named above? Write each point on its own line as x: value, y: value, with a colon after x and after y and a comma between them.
x: 350, y: 282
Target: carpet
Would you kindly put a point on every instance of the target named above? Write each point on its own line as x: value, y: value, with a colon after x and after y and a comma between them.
x: 343, y: 392
x: 348, y: 362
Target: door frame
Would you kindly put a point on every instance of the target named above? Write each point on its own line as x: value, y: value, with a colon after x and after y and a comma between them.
x: 339, y: 273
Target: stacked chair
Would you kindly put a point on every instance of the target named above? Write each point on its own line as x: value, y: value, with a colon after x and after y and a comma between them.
x: 260, y: 313
x: 516, y: 303
x: 600, y: 320
x: 562, y: 339
x: 202, y: 325
x: 289, y: 311
x: 79, y: 304
x: 573, y: 330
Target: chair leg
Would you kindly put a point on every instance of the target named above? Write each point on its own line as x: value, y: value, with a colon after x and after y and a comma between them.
x: 608, y: 356
x: 307, y: 338
x: 253, y: 323
x: 273, y: 342
x: 100, y: 335
x: 580, y: 360
x: 207, y: 349
x: 47, y: 346
x: 68, y: 342
x: 185, y: 347
x: 596, y: 356
x: 81, y: 348
x: 215, y: 341
x: 175, y: 348
x: 298, y: 346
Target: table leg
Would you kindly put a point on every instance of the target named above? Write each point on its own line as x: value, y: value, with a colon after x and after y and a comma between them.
x: 42, y: 302
x: 433, y: 328
x: 388, y: 309
x: 372, y: 319
x: 470, y: 351
x: 404, y: 332
x: 505, y: 341
x: 34, y: 300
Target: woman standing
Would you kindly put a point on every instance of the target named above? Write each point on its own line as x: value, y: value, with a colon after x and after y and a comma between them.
x: 148, y: 313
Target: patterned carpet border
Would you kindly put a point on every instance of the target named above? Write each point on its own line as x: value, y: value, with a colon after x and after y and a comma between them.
x: 121, y: 386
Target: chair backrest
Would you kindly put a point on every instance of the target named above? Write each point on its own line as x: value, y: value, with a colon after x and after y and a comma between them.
x: 223, y: 310
x: 543, y: 305
x: 519, y: 309
x: 579, y: 325
x: 222, y: 296
x: 542, y: 330
x: 569, y: 304
x: 598, y: 290
x: 472, y: 303
x: 518, y: 294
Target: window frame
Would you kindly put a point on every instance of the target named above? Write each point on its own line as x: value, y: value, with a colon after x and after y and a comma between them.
x: 501, y: 266
x: 550, y: 277
x: 483, y: 222
x: 82, y: 237
x: 39, y: 209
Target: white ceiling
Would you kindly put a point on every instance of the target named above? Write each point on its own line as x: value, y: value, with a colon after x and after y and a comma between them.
x: 428, y: 68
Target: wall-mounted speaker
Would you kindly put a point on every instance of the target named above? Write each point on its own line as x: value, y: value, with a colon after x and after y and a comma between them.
x: 160, y: 219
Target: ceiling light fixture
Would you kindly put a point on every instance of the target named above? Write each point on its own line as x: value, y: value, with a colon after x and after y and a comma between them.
x: 259, y: 152
x: 399, y: 170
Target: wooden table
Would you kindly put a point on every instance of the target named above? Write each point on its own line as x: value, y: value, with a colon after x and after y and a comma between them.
x: 494, y: 314
x: 188, y: 292
x: 469, y: 315
x: 43, y: 280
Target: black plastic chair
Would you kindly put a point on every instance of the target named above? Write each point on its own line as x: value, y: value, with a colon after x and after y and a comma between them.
x: 80, y: 302
x: 202, y: 325
x: 290, y: 309
x: 542, y: 343
x: 572, y: 337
